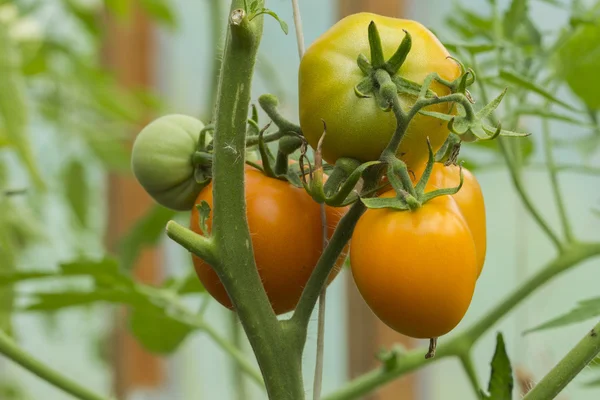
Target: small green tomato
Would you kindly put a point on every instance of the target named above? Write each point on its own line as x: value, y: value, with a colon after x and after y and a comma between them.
x: 162, y: 160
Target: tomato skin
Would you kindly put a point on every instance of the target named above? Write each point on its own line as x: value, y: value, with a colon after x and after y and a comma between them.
x: 415, y: 269
x: 285, y: 228
x: 357, y: 127
x: 469, y: 199
x: 161, y: 160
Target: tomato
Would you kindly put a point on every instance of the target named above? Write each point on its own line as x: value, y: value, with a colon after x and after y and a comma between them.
x: 162, y: 160
x: 469, y: 199
x: 357, y: 127
x: 285, y: 227
x: 415, y: 269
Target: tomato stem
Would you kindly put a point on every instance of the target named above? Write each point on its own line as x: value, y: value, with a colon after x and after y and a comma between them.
x: 567, y: 368
x: 10, y: 349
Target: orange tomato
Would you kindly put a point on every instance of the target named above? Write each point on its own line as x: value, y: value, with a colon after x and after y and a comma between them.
x: 415, y: 269
x: 285, y: 228
x: 469, y: 199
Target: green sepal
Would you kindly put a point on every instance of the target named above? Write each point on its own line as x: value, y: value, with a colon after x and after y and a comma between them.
x: 377, y: 60
x: 395, y: 62
x: 203, y: 215
x: 411, y: 88
x: 445, y: 191
x: 364, y: 64
x: 385, y: 202
x: 420, y: 187
x: 265, y: 154
x: 341, y: 197
x: 364, y: 88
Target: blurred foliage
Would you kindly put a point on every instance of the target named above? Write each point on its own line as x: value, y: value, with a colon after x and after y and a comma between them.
x: 536, y: 65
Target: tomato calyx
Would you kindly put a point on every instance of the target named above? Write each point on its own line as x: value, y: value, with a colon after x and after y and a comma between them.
x: 338, y: 190
x: 409, y: 197
x: 370, y: 85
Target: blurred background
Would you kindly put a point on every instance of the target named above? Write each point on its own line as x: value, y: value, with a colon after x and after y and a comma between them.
x: 93, y: 73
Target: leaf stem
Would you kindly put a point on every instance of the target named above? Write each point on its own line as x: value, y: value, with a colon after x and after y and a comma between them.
x: 9, y: 349
x: 567, y: 368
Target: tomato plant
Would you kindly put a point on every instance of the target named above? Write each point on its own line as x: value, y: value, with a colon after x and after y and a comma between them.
x: 424, y: 288
x: 357, y: 127
x: 161, y: 160
x: 285, y: 227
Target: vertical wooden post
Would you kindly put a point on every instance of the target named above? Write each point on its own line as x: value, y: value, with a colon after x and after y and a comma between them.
x: 128, y: 51
x: 367, y: 335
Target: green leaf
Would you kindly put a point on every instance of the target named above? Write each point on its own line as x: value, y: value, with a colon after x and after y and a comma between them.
x: 87, y: 16
x: 13, y: 105
x: 514, y: 17
x: 56, y: 301
x: 282, y: 24
x: 543, y: 112
x: 145, y: 233
x: 204, y: 214
x: 77, y: 192
x: 473, y: 48
x: 161, y: 11
x: 120, y: 8
x: 593, y: 383
x: 190, y: 285
x: 585, y: 310
x: 501, y: 380
x: 156, y: 332
x: 554, y: 3
x: 384, y: 202
x: 577, y: 63
x: 514, y: 78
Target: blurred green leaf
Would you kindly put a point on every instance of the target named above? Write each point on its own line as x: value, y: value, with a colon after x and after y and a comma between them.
x: 77, y: 191
x: 470, y: 24
x: 544, y: 112
x: 56, y: 301
x: 120, y: 8
x: 110, y: 150
x: 13, y: 105
x: 516, y: 79
x: 584, y: 310
x: 473, y: 48
x: 501, y: 379
x: 161, y: 10
x: 594, y: 383
x: 577, y: 63
x: 85, y: 14
x: 145, y: 233
x: 190, y: 285
x: 514, y: 17
x: 12, y: 391
x: 156, y: 332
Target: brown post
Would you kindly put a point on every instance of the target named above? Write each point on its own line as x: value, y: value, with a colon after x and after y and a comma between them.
x: 128, y: 52
x: 366, y: 334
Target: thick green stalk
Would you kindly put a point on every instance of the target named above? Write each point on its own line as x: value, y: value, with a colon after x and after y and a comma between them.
x: 9, y: 349
x: 277, y: 358
x: 463, y: 342
x: 567, y: 368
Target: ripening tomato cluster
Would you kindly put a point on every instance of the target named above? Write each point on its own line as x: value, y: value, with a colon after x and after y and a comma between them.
x: 416, y: 269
